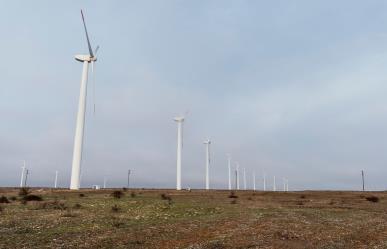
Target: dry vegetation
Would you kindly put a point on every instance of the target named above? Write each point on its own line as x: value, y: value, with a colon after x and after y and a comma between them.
x: 196, y: 219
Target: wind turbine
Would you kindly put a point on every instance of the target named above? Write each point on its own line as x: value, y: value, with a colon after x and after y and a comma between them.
x: 207, y: 143
x: 244, y: 178
x: 274, y: 187
x: 229, y: 171
x: 56, y: 179
x: 78, y: 140
x: 264, y: 181
x: 237, y: 175
x: 22, y: 174
x: 254, y: 180
x: 284, y: 184
x: 179, y: 120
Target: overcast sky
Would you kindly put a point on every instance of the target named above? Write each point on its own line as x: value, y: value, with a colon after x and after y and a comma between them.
x: 297, y: 89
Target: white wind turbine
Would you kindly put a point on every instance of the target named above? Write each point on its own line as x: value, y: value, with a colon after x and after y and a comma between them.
x: 237, y: 175
x: 274, y: 186
x: 207, y: 143
x: 180, y: 121
x: 229, y: 171
x: 264, y: 181
x: 244, y: 179
x: 254, y: 180
x: 56, y: 179
x: 22, y: 174
x: 78, y: 140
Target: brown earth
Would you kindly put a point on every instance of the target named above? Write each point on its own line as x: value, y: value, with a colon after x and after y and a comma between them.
x: 196, y: 219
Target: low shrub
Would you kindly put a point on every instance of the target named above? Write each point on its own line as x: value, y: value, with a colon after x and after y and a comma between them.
x: 234, y: 201
x: 82, y: 195
x: 24, y: 191
x: 133, y: 194
x: 117, y: 194
x: 115, y: 208
x: 32, y: 198
x: 4, y: 199
x: 13, y: 198
x: 77, y: 206
x: 302, y: 196
x: 372, y: 198
x: 232, y: 195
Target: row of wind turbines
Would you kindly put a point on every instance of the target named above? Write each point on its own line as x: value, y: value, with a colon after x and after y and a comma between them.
x: 91, y: 58
x: 180, y: 123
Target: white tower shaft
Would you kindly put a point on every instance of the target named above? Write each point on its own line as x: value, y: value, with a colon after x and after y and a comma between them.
x: 207, y: 143
x: 254, y: 180
x: 22, y: 174
x: 274, y: 186
x: 229, y: 172
x: 244, y: 179
x: 56, y: 179
x: 78, y: 140
x: 237, y: 176
x: 178, y: 158
x: 264, y: 182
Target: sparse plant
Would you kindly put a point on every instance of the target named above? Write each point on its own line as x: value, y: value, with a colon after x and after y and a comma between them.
x: 232, y: 195
x: 115, y: 208
x: 24, y: 191
x: 234, y: 201
x: 250, y: 198
x: 124, y: 189
x: 4, y: 199
x: 372, y: 199
x: 77, y: 206
x: 13, y: 198
x: 117, y: 194
x: 302, y: 196
x: 32, y: 198
x: 69, y: 214
x: 1, y: 209
x: 132, y: 194
x: 81, y: 195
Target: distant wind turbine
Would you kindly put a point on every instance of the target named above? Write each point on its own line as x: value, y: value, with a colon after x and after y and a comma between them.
x: 78, y: 140
x: 180, y: 121
x: 237, y: 175
x: 22, y: 173
x: 244, y: 178
x: 274, y: 186
x: 254, y: 180
x: 56, y: 179
x: 229, y: 171
x: 264, y: 181
x: 207, y: 144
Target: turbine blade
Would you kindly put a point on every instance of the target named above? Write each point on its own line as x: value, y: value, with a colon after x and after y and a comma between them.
x: 96, y: 50
x: 87, y: 36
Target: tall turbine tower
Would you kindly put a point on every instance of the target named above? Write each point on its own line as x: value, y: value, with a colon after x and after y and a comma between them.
x: 78, y: 140
x: 237, y: 175
x: 244, y: 179
x: 207, y: 143
x: 56, y: 179
x: 274, y: 186
x: 264, y: 181
x: 180, y: 121
x: 229, y: 171
x: 254, y: 180
x: 22, y: 174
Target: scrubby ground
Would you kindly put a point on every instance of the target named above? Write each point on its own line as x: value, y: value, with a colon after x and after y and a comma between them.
x: 197, y: 219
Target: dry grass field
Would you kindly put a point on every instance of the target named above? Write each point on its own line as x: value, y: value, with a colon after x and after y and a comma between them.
x: 196, y: 219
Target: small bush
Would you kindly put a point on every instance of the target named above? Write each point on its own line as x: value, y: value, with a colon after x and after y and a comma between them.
x: 372, y: 198
x: 81, y: 195
x: 250, y: 198
x: 302, y: 196
x: 165, y: 197
x: 1, y: 209
x: 4, y: 199
x: 115, y: 209
x: 24, y: 191
x: 32, y: 198
x: 133, y: 194
x: 124, y: 189
x: 232, y: 195
x: 234, y: 201
x: 77, y: 206
x: 117, y: 194
x: 69, y: 214
x: 53, y: 205
x: 13, y: 198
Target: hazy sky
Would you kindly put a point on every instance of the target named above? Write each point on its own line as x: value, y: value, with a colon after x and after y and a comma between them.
x: 297, y: 89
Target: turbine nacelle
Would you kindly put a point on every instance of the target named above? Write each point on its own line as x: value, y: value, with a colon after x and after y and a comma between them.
x: 207, y: 141
x: 85, y: 57
x: 179, y: 119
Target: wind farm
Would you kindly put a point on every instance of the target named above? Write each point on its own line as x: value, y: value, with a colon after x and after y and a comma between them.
x: 282, y: 147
